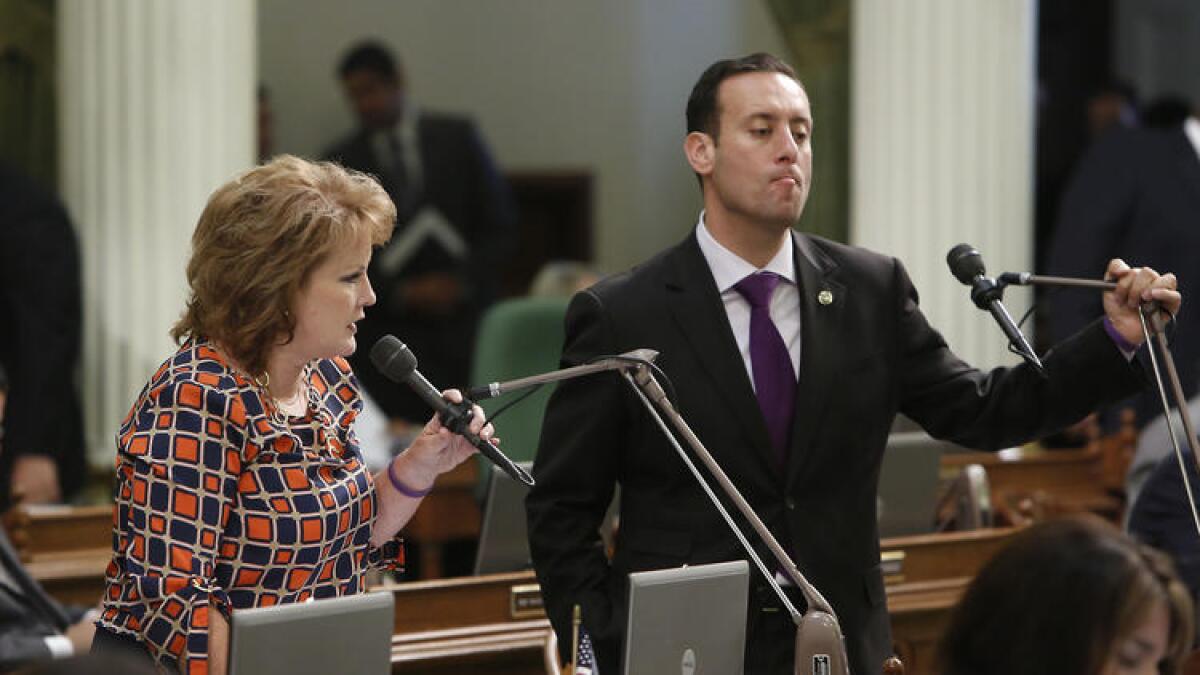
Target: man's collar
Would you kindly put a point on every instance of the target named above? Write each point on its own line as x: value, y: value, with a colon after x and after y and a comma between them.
x: 728, y: 268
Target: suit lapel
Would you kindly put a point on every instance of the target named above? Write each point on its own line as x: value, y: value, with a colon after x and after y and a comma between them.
x: 699, y: 313
x: 822, y: 300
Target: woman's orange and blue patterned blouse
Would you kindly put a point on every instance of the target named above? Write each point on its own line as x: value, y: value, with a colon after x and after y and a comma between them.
x: 224, y: 503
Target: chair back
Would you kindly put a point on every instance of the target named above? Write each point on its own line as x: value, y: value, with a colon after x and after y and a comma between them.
x: 518, y: 337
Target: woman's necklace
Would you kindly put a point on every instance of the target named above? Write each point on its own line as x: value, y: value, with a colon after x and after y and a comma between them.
x: 293, y: 406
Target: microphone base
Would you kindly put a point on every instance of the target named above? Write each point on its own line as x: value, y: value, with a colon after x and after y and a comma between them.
x: 820, y: 648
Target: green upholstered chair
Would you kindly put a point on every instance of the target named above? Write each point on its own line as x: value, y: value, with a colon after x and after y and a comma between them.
x: 518, y: 338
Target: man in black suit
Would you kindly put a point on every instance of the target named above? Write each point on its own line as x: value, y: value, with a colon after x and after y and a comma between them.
x: 838, y: 338
x: 39, y: 342
x: 454, y: 225
x: 1137, y: 192
x: 33, y: 626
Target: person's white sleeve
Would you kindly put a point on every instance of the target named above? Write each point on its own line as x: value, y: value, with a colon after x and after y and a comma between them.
x: 60, y: 646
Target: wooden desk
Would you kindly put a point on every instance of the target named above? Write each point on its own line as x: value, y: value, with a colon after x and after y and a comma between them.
x: 65, y: 548
x: 449, y: 513
x: 496, y: 622
x: 945, y: 555
x: 919, y: 614
x: 39, y: 530
x: 1060, y: 480
x: 492, y: 624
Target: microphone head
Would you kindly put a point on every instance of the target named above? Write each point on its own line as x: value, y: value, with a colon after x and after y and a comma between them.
x: 965, y: 263
x: 393, y: 358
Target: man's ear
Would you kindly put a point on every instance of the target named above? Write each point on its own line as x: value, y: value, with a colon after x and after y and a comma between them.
x: 700, y: 149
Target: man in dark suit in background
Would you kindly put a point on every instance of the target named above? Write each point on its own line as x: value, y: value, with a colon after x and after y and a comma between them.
x: 455, y: 220
x: 39, y: 342
x: 33, y: 626
x: 1136, y: 193
x: 790, y: 356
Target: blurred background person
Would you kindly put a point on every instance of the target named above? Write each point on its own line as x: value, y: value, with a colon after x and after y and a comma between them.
x: 454, y: 222
x: 33, y: 626
x: 1161, y: 514
x: 39, y: 343
x: 1136, y: 194
x: 562, y: 278
x: 1072, y: 596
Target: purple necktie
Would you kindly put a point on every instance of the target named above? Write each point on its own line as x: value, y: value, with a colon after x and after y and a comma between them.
x: 774, y: 378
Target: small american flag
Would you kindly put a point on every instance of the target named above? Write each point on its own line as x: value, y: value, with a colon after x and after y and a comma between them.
x: 585, y: 660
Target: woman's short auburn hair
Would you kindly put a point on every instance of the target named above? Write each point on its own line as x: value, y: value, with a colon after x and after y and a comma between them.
x: 1059, y: 599
x: 258, y: 240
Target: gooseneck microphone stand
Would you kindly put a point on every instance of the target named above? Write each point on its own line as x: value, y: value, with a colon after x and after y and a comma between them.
x: 820, y: 647
x: 1154, y: 331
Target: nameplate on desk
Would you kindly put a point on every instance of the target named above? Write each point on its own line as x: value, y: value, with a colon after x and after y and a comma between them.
x: 525, y: 601
x: 891, y: 564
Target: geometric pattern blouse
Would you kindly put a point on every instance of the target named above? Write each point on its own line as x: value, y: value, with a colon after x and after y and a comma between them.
x: 222, y: 503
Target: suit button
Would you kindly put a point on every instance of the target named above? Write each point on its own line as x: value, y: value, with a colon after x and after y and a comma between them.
x: 790, y: 504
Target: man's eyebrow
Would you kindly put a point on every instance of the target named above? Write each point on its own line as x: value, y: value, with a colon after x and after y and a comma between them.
x: 771, y: 117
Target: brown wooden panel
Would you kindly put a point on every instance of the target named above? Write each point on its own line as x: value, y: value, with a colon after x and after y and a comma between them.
x: 554, y: 222
x: 919, y: 613
x: 943, y: 555
x: 37, y: 530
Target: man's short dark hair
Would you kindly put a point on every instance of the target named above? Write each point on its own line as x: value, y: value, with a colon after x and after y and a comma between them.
x: 370, y: 56
x: 703, y: 114
x: 3, y: 379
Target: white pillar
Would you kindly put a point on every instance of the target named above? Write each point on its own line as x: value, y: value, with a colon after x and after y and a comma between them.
x: 942, y: 144
x: 156, y: 104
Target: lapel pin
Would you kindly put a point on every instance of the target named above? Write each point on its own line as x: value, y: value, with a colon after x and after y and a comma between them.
x: 825, y: 297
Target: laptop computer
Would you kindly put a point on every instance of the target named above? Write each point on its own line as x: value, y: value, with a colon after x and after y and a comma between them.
x: 688, y: 620
x: 350, y: 634
x: 503, y: 537
x: 908, y: 483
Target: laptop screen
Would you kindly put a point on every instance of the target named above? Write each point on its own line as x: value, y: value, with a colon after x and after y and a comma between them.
x: 351, y: 634
x: 503, y: 538
x: 688, y: 620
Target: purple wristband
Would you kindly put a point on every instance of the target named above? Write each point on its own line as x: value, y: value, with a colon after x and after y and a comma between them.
x: 1122, y: 344
x: 402, y: 488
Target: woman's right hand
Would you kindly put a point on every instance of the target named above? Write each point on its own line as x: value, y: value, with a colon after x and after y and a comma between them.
x: 438, y: 450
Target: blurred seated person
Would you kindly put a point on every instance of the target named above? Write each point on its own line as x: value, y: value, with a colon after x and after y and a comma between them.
x: 1153, y: 445
x: 1162, y: 517
x: 33, y: 625
x: 1072, y: 596
x: 454, y: 225
x: 562, y: 278
x: 239, y: 477
x: 40, y: 301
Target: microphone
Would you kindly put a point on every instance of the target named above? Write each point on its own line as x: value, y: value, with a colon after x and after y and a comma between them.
x: 967, y: 266
x: 397, y: 362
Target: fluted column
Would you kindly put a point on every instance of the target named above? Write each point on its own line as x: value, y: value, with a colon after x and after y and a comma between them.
x: 156, y: 110
x: 942, y: 146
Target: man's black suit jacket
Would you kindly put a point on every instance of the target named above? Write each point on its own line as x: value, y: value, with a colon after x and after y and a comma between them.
x: 1135, y: 195
x: 864, y: 356
x: 459, y: 179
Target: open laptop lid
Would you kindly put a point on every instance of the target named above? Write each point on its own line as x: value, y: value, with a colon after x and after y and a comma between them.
x: 503, y: 537
x: 688, y: 620
x: 351, y: 634
x: 908, y: 484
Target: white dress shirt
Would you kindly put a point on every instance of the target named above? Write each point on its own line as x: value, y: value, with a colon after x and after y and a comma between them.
x: 728, y: 269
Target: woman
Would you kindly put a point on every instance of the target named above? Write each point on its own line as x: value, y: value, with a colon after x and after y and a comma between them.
x: 1071, y: 597
x: 239, y: 480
